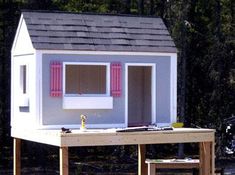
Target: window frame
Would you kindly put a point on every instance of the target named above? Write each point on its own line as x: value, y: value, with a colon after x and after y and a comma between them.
x: 23, y: 84
x: 23, y: 79
x: 88, y: 101
x: 87, y: 63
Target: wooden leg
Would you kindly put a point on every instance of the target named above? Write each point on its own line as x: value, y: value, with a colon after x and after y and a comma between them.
x: 64, y: 161
x: 142, y: 166
x: 17, y: 157
x: 213, y: 158
x: 151, y: 169
x: 206, y: 158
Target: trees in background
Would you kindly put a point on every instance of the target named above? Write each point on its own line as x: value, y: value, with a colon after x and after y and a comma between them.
x: 7, y: 27
x: 203, y: 32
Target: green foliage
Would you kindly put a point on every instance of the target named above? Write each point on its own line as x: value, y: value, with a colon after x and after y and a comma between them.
x: 98, y: 6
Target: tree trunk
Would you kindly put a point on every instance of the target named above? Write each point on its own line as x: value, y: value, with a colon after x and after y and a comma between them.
x: 141, y: 7
x: 152, y: 4
x: 218, y: 20
x: 233, y: 18
x: 128, y: 7
x: 183, y: 68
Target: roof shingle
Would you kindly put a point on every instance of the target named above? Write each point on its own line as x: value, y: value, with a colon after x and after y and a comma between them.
x: 69, y: 31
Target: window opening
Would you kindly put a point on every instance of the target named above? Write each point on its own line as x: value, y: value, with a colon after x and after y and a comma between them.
x: 23, y: 79
x: 85, y: 79
x: 23, y: 90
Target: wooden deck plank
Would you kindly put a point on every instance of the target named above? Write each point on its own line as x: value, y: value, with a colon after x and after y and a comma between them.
x: 100, y: 137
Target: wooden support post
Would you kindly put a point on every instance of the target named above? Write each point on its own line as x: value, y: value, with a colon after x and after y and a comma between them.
x: 64, y: 161
x: 17, y: 157
x: 142, y: 166
x: 213, y: 157
x: 206, y: 158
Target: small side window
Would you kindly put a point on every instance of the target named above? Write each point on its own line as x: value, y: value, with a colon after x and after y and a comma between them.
x: 23, y: 90
x: 23, y: 79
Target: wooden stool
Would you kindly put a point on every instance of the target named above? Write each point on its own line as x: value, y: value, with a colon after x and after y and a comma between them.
x: 154, y: 164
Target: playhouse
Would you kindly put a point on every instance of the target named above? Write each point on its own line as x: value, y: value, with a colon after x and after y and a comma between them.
x: 117, y: 70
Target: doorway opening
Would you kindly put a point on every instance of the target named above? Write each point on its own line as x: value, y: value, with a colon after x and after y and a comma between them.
x: 140, y: 98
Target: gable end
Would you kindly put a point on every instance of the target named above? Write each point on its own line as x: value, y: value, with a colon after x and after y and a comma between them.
x: 22, y: 42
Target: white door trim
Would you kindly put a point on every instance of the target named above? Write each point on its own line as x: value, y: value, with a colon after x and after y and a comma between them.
x: 153, y: 89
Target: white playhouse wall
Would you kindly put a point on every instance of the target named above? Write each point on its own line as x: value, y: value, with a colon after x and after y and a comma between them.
x: 54, y: 115
x: 24, y: 107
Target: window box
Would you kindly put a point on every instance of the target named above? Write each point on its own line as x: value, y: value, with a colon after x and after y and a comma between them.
x: 75, y: 102
x: 23, y: 101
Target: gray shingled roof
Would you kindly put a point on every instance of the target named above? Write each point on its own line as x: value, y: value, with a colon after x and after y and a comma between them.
x: 69, y: 31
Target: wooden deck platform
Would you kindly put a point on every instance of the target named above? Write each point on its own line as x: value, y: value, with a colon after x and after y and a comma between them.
x: 102, y: 137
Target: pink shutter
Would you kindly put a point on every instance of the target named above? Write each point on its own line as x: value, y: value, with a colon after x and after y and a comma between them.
x: 116, y: 79
x: 55, y: 79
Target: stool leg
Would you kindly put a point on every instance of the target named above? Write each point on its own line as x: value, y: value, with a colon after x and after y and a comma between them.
x: 142, y: 167
x: 151, y: 169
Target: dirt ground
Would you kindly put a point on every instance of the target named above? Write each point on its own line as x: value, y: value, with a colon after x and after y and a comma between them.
x: 229, y: 169
x: 126, y: 169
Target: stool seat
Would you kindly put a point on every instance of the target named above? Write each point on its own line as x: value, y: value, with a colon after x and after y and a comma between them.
x: 154, y: 164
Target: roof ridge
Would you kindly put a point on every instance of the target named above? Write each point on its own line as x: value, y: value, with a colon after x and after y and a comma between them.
x: 89, y: 13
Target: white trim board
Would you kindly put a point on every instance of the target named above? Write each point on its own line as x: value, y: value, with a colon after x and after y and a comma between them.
x: 173, y: 91
x: 105, y: 53
x: 73, y: 126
